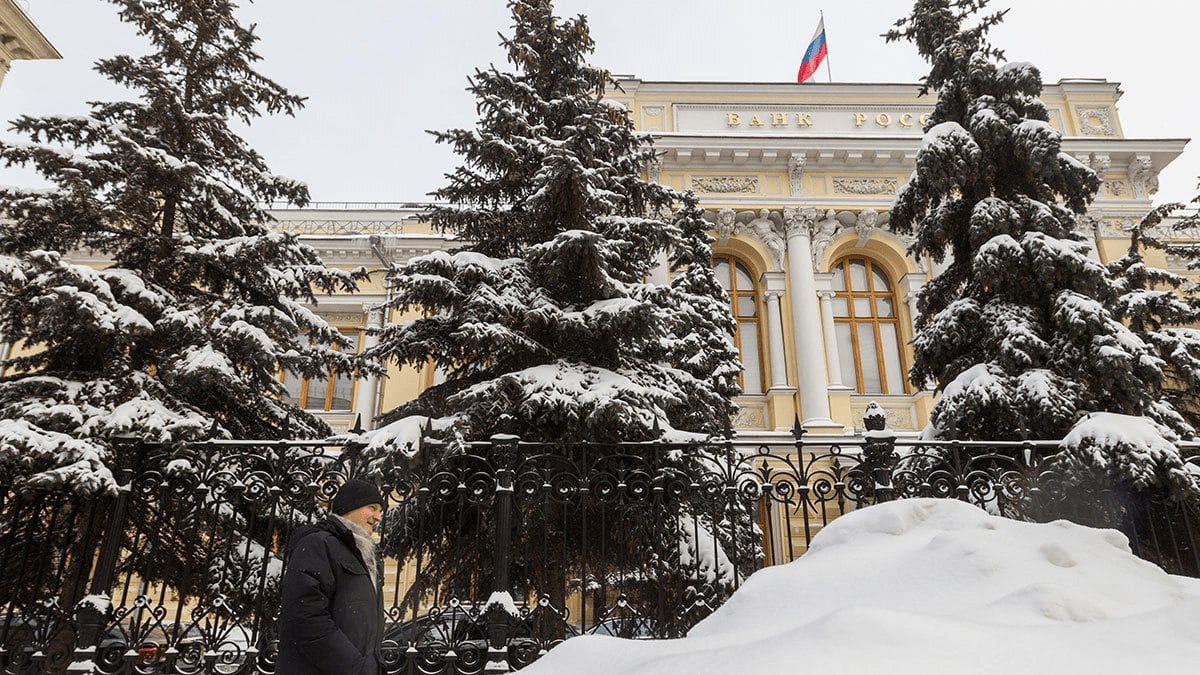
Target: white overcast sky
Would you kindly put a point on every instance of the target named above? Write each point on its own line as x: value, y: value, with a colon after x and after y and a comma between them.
x: 377, y: 73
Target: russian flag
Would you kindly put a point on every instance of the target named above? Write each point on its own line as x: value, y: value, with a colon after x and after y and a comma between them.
x: 814, y: 55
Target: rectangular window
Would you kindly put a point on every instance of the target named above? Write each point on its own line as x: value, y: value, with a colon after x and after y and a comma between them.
x: 869, y: 358
x: 846, y: 354
x: 891, y: 358
x: 334, y: 393
x: 752, y: 375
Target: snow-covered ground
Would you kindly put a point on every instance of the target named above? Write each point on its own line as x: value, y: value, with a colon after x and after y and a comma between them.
x: 931, y: 587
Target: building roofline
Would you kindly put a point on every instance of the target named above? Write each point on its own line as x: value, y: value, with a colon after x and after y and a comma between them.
x: 31, y: 43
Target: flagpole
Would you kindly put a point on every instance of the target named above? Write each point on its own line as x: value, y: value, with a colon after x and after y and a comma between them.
x: 828, y: 70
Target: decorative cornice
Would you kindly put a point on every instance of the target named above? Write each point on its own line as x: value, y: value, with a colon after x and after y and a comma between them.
x: 342, y: 318
x: 318, y: 227
x: 20, y: 37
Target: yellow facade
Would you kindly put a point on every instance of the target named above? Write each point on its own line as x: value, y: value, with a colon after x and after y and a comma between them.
x: 825, y: 161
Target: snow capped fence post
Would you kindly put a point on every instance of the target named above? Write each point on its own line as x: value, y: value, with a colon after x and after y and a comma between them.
x: 500, y: 611
x: 879, y: 452
x: 89, y: 617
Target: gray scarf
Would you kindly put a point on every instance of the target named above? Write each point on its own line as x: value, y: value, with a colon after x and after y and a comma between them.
x: 366, y: 547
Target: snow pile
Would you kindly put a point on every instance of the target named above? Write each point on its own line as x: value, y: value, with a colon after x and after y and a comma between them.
x: 931, y: 586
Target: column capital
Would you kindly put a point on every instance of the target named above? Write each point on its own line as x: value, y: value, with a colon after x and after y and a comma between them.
x: 375, y: 315
x: 799, y: 222
x: 772, y: 294
x: 826, y: 294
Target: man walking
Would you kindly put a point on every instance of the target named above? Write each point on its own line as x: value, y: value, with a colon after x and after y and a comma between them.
x: 331, y: 621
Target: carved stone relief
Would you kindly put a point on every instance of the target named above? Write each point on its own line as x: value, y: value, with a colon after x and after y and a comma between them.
x: 726, y: 225
x: 824, y: 231
x: 1115, y: 187
x: 796, y: 172
x: 865, y: 186
x: 901, y: 419
x: 1116, y: 227
x: 726, y: 184
x: 343, y: 318
x: 750, y: 416
x: 1143, y: 177
x: 652, y: 118
x: 654, y: 170
x: 865, y: 224
x: 1095, y: 121
x: 766, y: 226
x: 1098, y: 163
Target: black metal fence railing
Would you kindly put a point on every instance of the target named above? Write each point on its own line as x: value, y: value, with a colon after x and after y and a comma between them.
x: 496, y: 551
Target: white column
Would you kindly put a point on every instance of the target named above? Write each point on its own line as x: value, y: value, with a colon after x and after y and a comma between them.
x: 811, y: 377
x: 661, y: 274
x: 832, y: 355
x: 775, y: 340
x: 366, y: 388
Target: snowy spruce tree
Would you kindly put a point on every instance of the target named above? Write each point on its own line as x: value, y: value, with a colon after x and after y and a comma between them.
x: 543, y: 321
x: 1018, y: 331
x: 701, y: 342
x: 181, y: 330
x: 1161, y: 307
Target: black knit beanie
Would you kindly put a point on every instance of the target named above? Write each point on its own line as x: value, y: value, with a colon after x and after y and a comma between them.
x: 354, y: 494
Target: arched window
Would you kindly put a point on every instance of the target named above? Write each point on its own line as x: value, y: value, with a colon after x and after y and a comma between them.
x: 867, y: 326
x: 743, y: 293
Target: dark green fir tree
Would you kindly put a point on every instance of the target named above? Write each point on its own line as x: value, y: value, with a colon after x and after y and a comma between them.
x: 1018, y: 331
x: 194, y: 307
x: 543, y: 321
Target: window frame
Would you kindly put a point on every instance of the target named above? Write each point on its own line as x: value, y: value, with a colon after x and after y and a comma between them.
x: 302, y: 401
x: 735, y: 293
x: 849, y: 294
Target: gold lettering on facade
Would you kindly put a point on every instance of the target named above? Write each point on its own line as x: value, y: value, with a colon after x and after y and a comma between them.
x: 805, y: 119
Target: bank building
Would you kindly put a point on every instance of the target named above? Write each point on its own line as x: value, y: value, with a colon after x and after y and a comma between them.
x: 797, y: 182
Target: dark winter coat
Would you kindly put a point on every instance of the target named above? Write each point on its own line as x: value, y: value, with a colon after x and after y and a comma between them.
x: 331, y: 619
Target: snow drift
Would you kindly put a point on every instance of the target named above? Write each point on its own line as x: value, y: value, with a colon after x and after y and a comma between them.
x: 931, y: 586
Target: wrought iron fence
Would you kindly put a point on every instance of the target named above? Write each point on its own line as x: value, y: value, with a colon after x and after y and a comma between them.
x: 496, y: 551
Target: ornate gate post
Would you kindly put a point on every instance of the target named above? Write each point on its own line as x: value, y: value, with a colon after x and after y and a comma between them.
x: 500, y: 612
x: 879, y: 452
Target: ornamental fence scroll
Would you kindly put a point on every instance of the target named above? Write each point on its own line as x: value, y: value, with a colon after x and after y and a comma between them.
x: 496, y: 551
